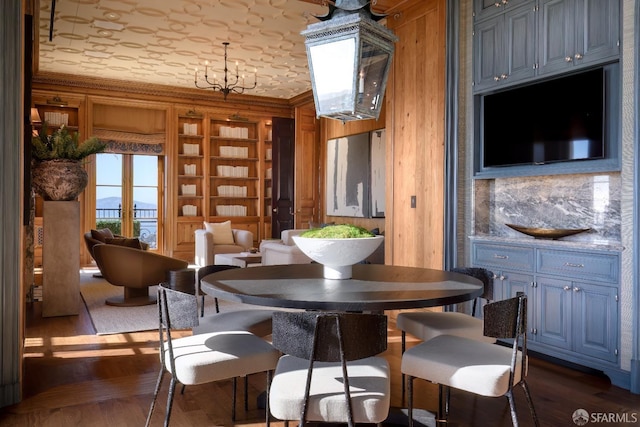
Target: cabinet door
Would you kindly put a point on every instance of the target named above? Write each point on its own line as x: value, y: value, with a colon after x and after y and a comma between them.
x: 556, y: 35
x: 512, y: 284
x: 489, y: 57
x: 597, y: 31
x: 483, y: 9
x: 519, y: 45
x: 553, y: 312
x: 595, y: 320
x: 575, y: 33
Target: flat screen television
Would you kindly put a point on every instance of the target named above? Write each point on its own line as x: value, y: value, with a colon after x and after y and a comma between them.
x: 558, y: 120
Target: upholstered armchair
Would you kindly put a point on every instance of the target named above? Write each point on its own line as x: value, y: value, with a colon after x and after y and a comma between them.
x: 105, y: 235
x: 220, y: 239
x: 135, y: 271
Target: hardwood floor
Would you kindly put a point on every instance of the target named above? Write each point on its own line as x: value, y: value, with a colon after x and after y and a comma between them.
x: 76, y: 378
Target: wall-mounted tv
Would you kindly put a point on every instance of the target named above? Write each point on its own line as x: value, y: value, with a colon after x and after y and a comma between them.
x: 557, y: 120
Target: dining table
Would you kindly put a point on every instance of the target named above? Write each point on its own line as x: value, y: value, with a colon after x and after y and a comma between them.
x: 372, y: 287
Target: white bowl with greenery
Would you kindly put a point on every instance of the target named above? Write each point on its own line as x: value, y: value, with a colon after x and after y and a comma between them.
x: 340, y: 251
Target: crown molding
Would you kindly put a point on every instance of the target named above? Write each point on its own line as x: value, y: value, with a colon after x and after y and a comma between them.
x: 156, y: 92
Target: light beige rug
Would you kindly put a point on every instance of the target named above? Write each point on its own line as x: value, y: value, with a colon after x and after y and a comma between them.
x: 115, y: 320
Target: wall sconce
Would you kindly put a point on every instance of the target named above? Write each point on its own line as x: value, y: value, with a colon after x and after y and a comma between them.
x: 349, y: 57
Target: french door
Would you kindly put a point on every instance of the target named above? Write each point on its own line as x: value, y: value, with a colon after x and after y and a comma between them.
x: 128, y: 196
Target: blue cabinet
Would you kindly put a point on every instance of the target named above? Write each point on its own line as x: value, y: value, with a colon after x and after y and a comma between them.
x: 483, y: 9
x: 577, y: 33
x: 519, y: 41
x: 573, y: 311
x: 504, y: 49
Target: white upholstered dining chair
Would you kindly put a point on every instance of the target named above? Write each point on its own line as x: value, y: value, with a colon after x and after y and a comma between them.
x: 329, y: 371
x: 204, y: 358
x: 474, y: 366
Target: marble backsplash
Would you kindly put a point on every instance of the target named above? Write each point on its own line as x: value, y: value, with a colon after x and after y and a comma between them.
x: 560, y: 201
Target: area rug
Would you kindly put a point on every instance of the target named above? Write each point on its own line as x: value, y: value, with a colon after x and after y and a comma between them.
x: 116, y: 320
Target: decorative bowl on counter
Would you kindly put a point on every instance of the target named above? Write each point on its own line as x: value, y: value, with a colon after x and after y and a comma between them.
x: 547, y: 233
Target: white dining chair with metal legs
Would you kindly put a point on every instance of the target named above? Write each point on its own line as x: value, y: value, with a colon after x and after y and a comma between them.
x: 426, y: 325
x: 474, y: 366
x: 204, y: 358
x: 330, y: 371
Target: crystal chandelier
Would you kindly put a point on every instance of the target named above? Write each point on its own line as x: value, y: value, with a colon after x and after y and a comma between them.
x: 226, y: 86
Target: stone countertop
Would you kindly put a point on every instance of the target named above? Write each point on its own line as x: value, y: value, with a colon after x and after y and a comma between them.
x: 565, y: 243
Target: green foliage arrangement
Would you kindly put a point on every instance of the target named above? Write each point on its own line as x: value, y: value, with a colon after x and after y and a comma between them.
x: 343, y: 231
x: 63, y: 145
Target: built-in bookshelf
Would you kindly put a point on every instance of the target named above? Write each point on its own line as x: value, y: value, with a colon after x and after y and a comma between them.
x: 234, y: 165
x: 191, y: 172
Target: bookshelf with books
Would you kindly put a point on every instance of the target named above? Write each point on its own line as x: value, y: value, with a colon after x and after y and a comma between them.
x: 191, y: 166
x: 234, y: 182
x: 267, y: 185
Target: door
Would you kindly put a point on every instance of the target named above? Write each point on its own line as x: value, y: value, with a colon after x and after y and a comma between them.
x: 128, y: 196
x: 282, y: 175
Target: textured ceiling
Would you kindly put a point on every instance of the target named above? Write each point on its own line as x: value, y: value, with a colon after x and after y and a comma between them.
x: 163, y: 41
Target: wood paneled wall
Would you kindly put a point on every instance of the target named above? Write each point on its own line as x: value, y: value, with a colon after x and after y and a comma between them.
x: 415, y: 135
x: 307, y: 166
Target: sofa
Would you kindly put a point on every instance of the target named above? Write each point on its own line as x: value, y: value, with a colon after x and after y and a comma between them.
x: 220, y: 238
x: 283, y: 251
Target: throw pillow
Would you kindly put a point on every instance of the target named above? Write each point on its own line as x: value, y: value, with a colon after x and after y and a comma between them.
x: 123, y: 241
x: 222, y: 234
x: 102, y: 235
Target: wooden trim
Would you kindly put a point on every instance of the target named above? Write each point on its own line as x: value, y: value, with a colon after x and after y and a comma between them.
x: 146, y: 91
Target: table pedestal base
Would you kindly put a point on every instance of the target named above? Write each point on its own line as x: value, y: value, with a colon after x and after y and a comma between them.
x: 400, y: 417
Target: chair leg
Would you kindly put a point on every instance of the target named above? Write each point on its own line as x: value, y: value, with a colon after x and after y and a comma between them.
x: 410, y: 404
x: 202, y: 307
x: 266, y: 402
x: 246, y: 393
x: 443, y: 404
x: 172, y: 389
x: 404, y: 347
x: 155, y: 395
x: 532, y: 409
x: 512, y: 406
x: 233, y: 400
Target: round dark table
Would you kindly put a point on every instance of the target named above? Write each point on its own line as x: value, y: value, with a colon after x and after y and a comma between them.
x: 373, y: 287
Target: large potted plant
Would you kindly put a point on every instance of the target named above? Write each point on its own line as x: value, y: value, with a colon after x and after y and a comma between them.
x: 57, y: 169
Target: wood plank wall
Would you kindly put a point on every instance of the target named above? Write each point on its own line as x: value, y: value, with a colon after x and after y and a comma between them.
x: 415, y: 135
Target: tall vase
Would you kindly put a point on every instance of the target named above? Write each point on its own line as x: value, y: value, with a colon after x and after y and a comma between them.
x: 59, y: 179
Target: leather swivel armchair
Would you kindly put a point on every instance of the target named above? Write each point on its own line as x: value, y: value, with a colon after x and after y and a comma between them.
x: 135, y: 271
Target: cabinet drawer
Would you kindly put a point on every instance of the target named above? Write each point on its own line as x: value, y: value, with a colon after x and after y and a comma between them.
x: 503, y: 257
x: 590, y: 266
